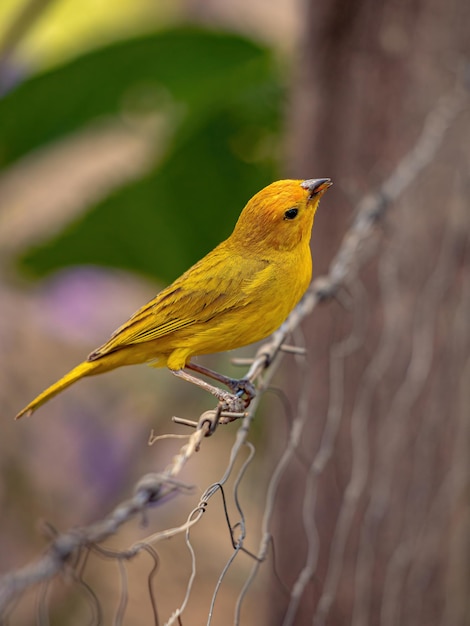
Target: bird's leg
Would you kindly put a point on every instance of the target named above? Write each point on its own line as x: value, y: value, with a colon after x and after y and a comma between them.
x: 230, y: 402
x: 240, y: 387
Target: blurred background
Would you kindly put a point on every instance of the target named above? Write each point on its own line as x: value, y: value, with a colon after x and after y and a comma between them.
x: 131, y: 135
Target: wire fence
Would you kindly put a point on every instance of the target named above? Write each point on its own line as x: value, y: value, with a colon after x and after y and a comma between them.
x: 374, y: 462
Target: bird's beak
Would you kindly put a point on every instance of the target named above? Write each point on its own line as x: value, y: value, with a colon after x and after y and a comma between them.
x: 316, y: 186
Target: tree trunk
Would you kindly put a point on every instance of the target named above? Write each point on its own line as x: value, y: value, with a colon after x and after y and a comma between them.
x: 386, y: 535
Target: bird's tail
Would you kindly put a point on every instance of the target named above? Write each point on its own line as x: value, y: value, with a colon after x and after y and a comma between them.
x: 87, y: 368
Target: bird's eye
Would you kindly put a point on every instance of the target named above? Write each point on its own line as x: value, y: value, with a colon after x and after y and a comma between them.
x: 290, y: 214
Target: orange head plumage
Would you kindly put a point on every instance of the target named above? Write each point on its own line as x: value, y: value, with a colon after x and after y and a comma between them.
x: 280, y: 215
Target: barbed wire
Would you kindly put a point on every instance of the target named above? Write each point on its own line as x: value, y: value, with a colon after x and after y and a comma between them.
x: 156, y: 488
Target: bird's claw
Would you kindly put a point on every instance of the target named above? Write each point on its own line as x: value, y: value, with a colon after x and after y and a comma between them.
x: 235, y: 404
x: 243, y: 388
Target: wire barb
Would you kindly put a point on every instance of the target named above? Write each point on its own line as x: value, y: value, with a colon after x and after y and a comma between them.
x: 293, y: 349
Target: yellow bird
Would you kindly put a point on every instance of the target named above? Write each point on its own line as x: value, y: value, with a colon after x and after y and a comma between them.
x: 237, y: 294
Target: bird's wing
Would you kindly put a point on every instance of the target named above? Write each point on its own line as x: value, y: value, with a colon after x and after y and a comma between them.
x: 208, y: 289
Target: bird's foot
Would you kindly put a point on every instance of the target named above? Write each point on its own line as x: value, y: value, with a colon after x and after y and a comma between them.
x: 243, y: 388
x: 230, y: 403
x: 233, y: 405
x: 239, y: 387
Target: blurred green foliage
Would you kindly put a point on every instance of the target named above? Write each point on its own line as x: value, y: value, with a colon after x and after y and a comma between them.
x: 221, y: 95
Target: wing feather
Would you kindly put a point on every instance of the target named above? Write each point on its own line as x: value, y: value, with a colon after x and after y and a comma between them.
x: 208, y: 289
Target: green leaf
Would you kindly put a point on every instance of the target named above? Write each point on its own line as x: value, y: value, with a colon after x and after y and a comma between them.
x: 163, y: 223
x: 221, y: 153
x: 199, y: 68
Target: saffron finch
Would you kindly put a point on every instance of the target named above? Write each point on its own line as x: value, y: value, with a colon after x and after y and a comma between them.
x: 237, y: 294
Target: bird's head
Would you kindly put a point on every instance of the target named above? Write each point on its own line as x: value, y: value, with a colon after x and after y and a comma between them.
x: 280, y: 216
